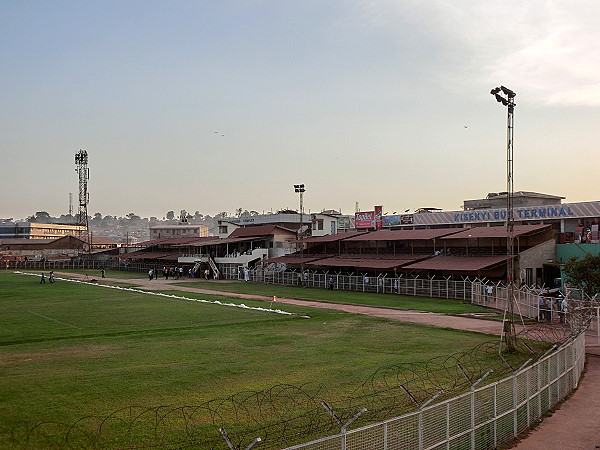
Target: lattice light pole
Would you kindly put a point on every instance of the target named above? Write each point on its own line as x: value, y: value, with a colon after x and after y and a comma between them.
x: 81, y: 161
x: 507, y: 98
x: 299, y: 189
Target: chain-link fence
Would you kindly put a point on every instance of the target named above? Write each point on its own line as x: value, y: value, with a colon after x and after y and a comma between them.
x: 482, y: 418
x: 72, y: 264
x: 384, y: 284
x: 575, y: 310
x: 82, y: 263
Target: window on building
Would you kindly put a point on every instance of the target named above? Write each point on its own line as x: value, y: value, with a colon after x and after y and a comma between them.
x: 222, y: 229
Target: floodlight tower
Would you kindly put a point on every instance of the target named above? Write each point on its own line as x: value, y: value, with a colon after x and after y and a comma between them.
x: 507, y: 98
x: 81, y: 161
x: 299, y: 189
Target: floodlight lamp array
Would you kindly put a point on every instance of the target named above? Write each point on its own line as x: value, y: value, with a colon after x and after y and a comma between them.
x: 506, y: 101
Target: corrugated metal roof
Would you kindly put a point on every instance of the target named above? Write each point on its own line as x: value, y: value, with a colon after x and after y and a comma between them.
x: 372, y: 262
x: 458, y: 263
x: 199, y: 242
x: 495, y: 232
x: 167, y: 256
x: 175, y: 241
x: 258, y: 230
x: 333, y: 237
x: 230, y: 240
x: 405, y: 235
x: 103, y: 240
x: 22, y: 241
x: 297, y: 259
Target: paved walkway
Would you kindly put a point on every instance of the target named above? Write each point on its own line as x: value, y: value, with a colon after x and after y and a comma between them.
x: 575, y: 425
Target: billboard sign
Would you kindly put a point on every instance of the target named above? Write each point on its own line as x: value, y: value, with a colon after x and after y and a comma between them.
x: 378, y: 217
x: 364, y: 219
x: 345, y: 223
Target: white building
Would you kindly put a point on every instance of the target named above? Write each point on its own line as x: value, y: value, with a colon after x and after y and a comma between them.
x: 178, y: 231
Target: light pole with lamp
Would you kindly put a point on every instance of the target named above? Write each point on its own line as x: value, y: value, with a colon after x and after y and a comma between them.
x: 299, y: 189
x: 507, y: 98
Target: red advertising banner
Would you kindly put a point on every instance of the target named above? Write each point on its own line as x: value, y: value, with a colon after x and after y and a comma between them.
x: 364, y: 219
x: 378, y: 217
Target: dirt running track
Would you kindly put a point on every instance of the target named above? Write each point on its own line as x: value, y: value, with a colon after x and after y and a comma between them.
x: 575, y: 425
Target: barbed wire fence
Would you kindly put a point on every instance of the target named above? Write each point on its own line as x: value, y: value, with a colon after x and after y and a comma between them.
x: 284, y: 415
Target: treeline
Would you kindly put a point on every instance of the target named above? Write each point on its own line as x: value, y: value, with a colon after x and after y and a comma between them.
x: 134, y: 226
x: 131, y: 225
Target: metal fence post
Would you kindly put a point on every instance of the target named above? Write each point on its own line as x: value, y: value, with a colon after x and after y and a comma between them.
x: 473, y: 419
x: 528, y: 400
x: 515, y: 424
x: 420, y: 429
x: 385, y: 436
x: 230, y: 444
x: 539, y: 390
x: 448, y: 425
x: 343, y: 425
x: 495, y: 415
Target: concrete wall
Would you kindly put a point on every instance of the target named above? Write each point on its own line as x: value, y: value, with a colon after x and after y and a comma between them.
x: 535, y: 258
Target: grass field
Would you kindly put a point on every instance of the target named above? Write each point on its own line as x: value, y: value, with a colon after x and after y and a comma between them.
x: 70, y: 350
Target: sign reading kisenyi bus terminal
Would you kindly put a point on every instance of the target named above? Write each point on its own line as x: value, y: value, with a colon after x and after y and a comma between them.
x: 537, y: 213
x: 530, y: 213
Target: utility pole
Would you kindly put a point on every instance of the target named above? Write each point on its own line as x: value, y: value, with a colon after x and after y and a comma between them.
x: 299, y: 189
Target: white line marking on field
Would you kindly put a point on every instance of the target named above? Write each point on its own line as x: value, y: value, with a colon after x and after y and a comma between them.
x: 53, y: 320
x: 179, y: 297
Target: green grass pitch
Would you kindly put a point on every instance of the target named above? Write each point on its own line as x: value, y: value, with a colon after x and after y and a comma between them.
x: 71, y: 350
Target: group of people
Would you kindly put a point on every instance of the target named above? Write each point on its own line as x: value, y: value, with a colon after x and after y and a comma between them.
x: 50, y: 277
x: 303, y: 279
x: 547, y: 306
x: 174, y: 272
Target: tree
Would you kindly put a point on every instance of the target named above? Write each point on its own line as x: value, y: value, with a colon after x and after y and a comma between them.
x: 584, y: 273
x: 170, y: 215
x: 42, y: 217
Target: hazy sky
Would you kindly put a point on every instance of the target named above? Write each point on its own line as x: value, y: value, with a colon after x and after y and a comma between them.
x: 215, y: 105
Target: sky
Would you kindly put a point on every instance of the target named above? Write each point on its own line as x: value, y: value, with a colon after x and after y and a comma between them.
x: 212, y: 106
